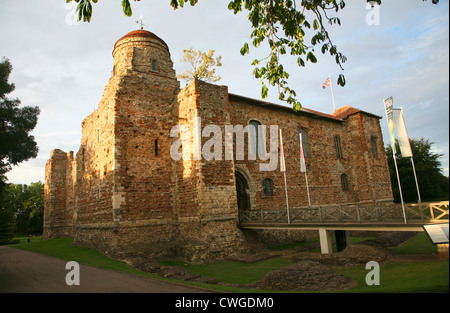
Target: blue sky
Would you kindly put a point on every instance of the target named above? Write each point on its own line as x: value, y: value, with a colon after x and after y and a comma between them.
x: 63, y: 67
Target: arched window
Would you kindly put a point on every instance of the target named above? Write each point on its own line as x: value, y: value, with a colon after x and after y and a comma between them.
x: 268, y: 187
x: 373, y: 143
x: 337, y: 145
x: 254, y: 136
x: 305, y: 142
x: 344, y: 182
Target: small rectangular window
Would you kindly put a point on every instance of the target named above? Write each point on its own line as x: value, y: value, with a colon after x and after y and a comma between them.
x: 156, y: 147
x: 338, y: 147
x: 373, y: 143
x: 344, y: 182
x: 255, y: 137
x: 154, y: 66
x: 268, y: 187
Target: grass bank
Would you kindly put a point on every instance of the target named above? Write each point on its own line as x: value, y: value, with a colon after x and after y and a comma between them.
x: 432, y: 276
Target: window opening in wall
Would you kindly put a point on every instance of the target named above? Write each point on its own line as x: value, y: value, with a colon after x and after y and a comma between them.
x: 344, y: 182
x: 338, y: 146
x: 254, y: 136
x: 305, y: 143
x: 82, y: 158
x: 156, y: 147
x: 268, y: 187
x: 154, y: 66
x: 373, y: 142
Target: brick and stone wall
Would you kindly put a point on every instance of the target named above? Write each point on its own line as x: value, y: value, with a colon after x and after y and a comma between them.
x: 368, y: 176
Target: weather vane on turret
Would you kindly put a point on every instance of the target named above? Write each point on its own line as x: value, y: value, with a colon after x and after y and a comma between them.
x: 141, y: 21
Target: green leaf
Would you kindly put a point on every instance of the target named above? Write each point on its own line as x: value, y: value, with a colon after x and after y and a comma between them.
x: 264, y: 91
x: 297, y: 106
x: 341, y: 80
x: 315, y: 25
x: 255, y: 62
x: 127, y: 7
x: 244, y: 49
x: 311, y: 57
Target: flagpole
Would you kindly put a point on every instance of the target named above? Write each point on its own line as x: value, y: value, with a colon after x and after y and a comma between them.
x: 415, y: 177
x: 399, y: 186
x: 307, y: 189
x: 287, y: 201
x: 393, y: 156
x: 332, y: 94
x: 283, y: 168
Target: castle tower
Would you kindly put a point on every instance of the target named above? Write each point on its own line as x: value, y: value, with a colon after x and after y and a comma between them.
x: 123, y: 184
x: 142, y: 52
x: 123, y: 192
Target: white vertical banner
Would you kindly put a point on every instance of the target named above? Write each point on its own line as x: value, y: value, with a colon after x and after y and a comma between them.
x: 401, y: 133
x: 282, y: 162
x: 404, y: 144
x: 283, y: 169
x: 302, y: 155
x: 303, y: 166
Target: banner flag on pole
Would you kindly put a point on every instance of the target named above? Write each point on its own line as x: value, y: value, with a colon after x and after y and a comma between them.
x: 388, y: 105
x: 303, y: 166
x: 401, y: 134
x: 302, y: 155
x: 327, y: 83
x: 282, y: 163
x: 283, y: 169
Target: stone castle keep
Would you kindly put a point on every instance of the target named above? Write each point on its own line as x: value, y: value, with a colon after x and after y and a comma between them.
x: 123, y: 193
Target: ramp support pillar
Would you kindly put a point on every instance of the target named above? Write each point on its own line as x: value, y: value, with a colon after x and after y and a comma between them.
x: 325, y: 241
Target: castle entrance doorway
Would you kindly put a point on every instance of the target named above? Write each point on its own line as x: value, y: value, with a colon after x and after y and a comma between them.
x: 243, y: 198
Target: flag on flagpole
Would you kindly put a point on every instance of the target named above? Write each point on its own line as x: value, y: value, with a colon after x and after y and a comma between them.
x: 302, y: 155
x: 327, y: 83
x: 401, y: 134
x: 282, y: 163
x: 389, y: 108
x: 388, y: 105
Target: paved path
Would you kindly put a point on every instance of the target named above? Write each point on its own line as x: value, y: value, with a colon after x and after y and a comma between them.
x: 29, y: 272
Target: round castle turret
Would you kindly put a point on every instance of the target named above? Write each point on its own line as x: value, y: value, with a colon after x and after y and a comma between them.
x: 142, y: 52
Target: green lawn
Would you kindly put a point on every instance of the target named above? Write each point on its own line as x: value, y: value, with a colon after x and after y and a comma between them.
x: 63, y: 249
x: 430, y: 276
x: 419, y: 244
x: 234, y: 272
x: 403, y: 277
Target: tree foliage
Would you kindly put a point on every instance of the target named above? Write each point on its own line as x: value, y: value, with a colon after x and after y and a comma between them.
x: 202, y: 65
x: 433, y: 185
x: 6, y: 227
x: 296, y: 27
x: 25, y: 205
x: 16, y: 143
